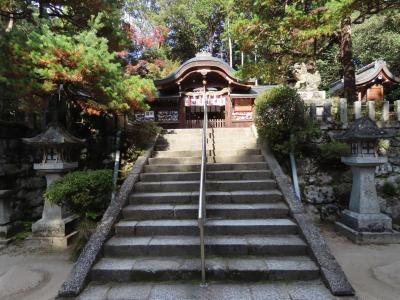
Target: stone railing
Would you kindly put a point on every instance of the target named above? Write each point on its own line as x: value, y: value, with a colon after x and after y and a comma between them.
x: 386, y: 114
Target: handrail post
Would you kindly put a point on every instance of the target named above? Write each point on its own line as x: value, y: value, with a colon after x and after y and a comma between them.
x: 202, y: 192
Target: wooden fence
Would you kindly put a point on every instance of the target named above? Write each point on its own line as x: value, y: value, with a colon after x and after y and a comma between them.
x: 212, y: 123
x: 342, y: 112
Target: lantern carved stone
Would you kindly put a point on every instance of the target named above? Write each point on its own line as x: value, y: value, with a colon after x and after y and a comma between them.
x: 56, y: 146
x: 363, y: 222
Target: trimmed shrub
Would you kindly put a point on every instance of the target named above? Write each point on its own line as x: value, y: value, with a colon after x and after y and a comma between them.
x: 85, y: 193
x: 332, y: 152
x: 389, y: 189
x: 280, y: 113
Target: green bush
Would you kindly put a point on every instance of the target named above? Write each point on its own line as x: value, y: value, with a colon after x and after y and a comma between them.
x: 389, y: 189
x: 85, y: 193
x: 280, y: 113
x: 140, y: 135
x: 332, y: 152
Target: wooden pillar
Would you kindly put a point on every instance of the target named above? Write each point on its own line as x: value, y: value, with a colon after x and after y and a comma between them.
x: 182, y: 113
x: 228, y: 111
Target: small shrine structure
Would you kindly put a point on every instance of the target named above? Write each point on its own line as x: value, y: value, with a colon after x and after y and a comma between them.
x: 371, y: 81
x: 179, y: 103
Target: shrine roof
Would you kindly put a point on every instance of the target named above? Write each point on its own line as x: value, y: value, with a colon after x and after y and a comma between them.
x: 363, y: 129
x: 368, y: 74
x: 54, y: 135
x: 202, y: 61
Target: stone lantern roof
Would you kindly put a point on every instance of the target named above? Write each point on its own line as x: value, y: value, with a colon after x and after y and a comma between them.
x: 363, y: 129
x: 55, y: 136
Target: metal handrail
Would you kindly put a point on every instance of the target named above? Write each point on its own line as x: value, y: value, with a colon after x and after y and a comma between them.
x: 295, y: 178
x: 202, y: 194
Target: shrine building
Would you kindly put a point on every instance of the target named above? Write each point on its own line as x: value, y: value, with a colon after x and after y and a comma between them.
x: 371, y: 82
x: 179, y: 102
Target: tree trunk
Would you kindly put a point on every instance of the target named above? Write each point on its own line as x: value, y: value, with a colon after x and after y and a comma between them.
x: 349, y: 76
x: 42, y: 9
x: 230, y: 47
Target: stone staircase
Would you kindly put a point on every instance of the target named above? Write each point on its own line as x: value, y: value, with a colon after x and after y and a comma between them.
x: 249, y: 234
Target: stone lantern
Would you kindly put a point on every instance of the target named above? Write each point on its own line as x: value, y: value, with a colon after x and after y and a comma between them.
x: 56, y: 145
x: 363, y: 222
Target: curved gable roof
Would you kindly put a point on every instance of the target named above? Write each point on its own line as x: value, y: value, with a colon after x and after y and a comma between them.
x: 201, y: 61
x: 367, y: 74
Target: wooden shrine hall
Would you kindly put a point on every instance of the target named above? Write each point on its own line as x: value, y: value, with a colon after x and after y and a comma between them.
x: 179, y: 103
x: 371, y: 81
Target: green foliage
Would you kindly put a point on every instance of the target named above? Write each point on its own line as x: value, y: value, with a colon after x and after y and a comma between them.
x: 84, y: 62
x: 299, y: 30
x: 25, y: 232
x: 280, y: 114
x: 191, y: 25
x: 389, y: 189
x: 329, y: 66
x: 85, y: 193
x: 383, y: 146
x: 142, y: 134
x: 332, y: 152
x: 378, y: 38
x: 138, y: 138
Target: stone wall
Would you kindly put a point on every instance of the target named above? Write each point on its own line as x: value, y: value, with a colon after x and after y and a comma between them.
x: 17, y: 175
x: 328, y: 187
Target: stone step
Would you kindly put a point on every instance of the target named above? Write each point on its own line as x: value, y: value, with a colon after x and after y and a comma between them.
x: 212, y: 175
x: 215, y: 131
x: 212, y: 227
x: 212, y: 197
x: 211, y: 139
x: 210, y: 167
x: 210, y: 159
x: 217, y: 268
x: 210, y: 152
x: 190, y: 211
x: 211, y: 185
x: 216, y: 290
x: 187, y: 146
x: 180, y: 245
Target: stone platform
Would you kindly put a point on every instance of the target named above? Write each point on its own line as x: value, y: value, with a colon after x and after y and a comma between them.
x: 362, y: 238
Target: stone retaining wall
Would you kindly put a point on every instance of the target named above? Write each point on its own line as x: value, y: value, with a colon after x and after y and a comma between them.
x: 16, y: 173
x: 329, y: 187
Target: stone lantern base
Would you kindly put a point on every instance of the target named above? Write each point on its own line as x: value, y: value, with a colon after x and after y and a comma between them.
x: 363, y: 223
x: 57, y: 227
x: 54, y: 233
x: 364, y: 237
